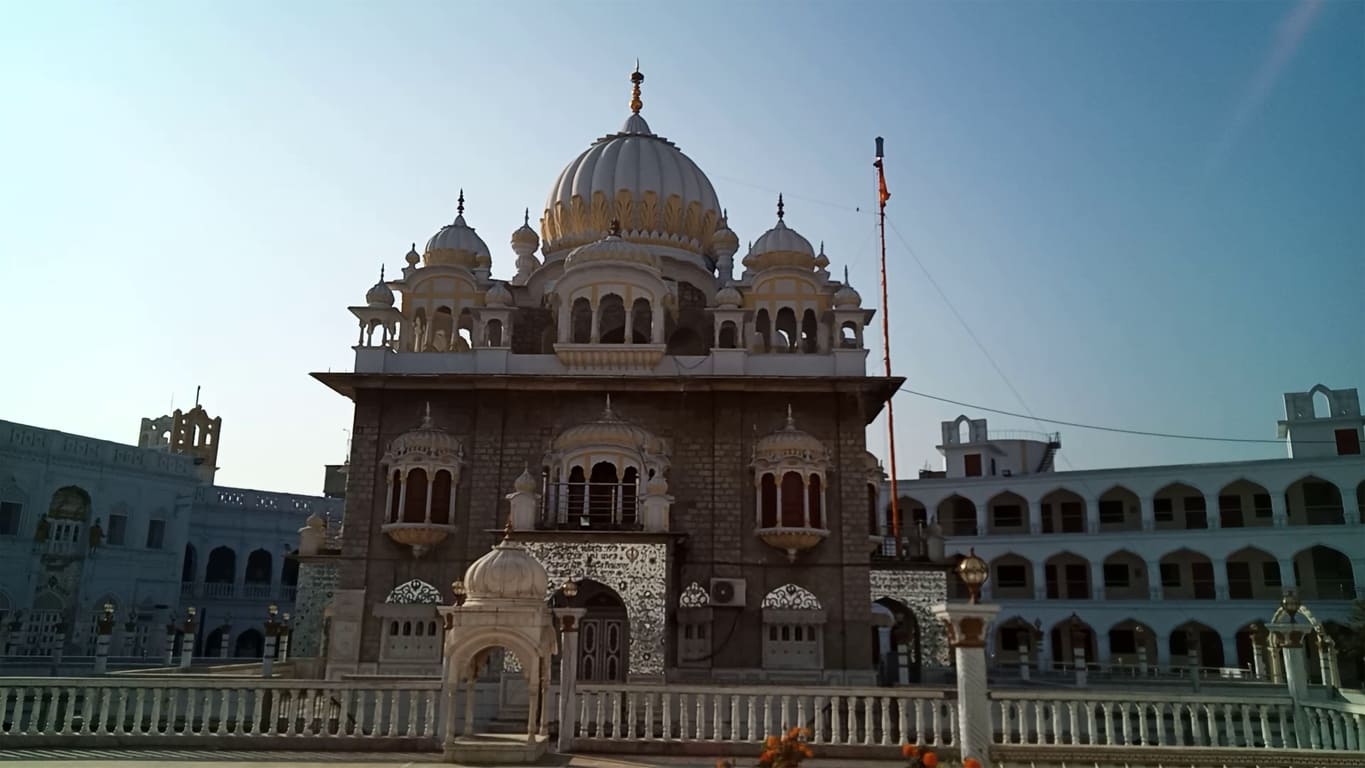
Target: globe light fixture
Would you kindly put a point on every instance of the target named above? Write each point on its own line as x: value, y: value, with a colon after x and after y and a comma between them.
x: 570, y: 588
x: 973, y: 571
x: 1291, y: 604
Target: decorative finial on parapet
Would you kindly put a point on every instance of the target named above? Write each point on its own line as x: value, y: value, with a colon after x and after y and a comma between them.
x: 791, y: 421
x: 636, y: 78
x: 459, y: 209
x: 780, y: 207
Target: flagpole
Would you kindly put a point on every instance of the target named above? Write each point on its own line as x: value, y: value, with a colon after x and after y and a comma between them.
x: 882, y: 196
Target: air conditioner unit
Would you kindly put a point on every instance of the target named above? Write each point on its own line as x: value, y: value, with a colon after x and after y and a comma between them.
x: 727, y: 593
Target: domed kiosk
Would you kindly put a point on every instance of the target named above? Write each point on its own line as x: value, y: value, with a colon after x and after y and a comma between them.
x: 503, y: 607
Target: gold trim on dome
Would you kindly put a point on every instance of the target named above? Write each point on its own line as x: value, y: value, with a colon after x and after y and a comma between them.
x: 643, y: 220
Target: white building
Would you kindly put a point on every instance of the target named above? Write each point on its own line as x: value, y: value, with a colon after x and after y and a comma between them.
x: 1147, y: 555
x: 85, y: 523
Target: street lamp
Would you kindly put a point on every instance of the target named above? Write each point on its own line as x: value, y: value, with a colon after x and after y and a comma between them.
x: 973, y: 571
x: 458, y: 589
x: 1290, y: 603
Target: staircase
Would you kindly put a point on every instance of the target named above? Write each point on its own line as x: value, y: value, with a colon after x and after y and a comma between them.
x: 1054, y: 444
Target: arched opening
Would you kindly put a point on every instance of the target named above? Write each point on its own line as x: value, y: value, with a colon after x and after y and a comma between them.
x: 1314, y: 501
x: 576, y: 495
x: 416, y: 339
x: 848, y: 335
x: 1187, y: 575
x: 763, y: 331
x: 580, y: 321
x: 898, y: 647
x: 816, y: 501
x: 213, y: 643
x: 250, y: 645
x: 187, y: 565
x: 957, y: 516
x: 289, y: 576
x: 222, y: 566
x: 1069, y: 635
x: 1323, y: 573
x: 1125, y: 577
x: 1244, y: 504
x: 1350, y: 655
x: 1179, y: 507
x: 641, y: 321
x: 464, y: 337
x: 611, y: 321
x: 1011, y: 578
x: 1063, y: 512
x: 1246, y: 653
x: 768, y: 501
x: 729, y: 337
x: 914, y: 518
x: 493, y: 333
x: 603, y: 633
x: 604, y: 489
x: 630, y: 492
x: 1205, y: 642
x: 1015, y: 641
x: 1132, y: 643
x: 440, y: 497
x: 442, y: 330
x: 1120, y: 510
x: 1007, y: 513
x: 258, y: 565
x: 1068, y: 577
x: 786, y: 329
x: 810, y: 340
x: 1322, y: 405
x: 1253, y: 574
x: 415, y: 500
x: 964, y: 430
x: 685, y: 341
x: 395, y: 495
x: 793, y: 501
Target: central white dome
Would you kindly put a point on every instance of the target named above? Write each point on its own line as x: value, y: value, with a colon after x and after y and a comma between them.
x: 643, y: 180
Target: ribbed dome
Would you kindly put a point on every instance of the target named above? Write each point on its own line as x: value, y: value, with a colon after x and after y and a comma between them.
x: 498, y: 295
x: 728, y: 296
x: 790, y: 443
x: 659, y: 195
x: 607, y: 429
x: 725, y: 241
x: 506, y: 573
x: 457, y: 245
x: 379, y: 295
x: 525, y: 238
x: 847, y: 297
x: 612, y: 248
x: 426, y: 445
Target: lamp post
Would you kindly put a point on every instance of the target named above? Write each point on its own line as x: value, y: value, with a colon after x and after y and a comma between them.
x: 104, y: 626
x: 967, y: 626
x: 272, y: 628
x: 284, y: 638
x: 568, y: 660
x: 130, y: 638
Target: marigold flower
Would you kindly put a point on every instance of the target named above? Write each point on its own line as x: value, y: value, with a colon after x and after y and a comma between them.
x: 971, y: 762
x: 794, y: 733
x: 930, y: 760
x: 770, y: 742
x: 909, y: 751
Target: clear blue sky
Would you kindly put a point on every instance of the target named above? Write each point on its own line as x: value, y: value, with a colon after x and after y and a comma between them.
x: 1151, y: 214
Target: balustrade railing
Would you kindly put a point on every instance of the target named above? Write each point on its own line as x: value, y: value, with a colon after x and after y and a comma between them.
x: 258, y: 591
x: 219, y: 589
x: 591, y: 506
x: 67, y: 711
x: 835, y: 716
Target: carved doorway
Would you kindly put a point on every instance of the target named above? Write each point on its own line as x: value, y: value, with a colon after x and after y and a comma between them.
x: 900, y: 650
x: 603, y: 635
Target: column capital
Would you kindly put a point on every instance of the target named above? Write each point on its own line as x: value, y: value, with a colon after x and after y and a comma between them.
x: 569, y: 618
x: 966, y: 623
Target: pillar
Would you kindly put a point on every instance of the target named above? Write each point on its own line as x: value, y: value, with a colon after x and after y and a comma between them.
x: 1324, y: 664
x: 1148, y: 513
x: 1276, y: 660
x: 968, y: 625
x: 1092, y: 515
x: 102, y: 651
x: 268, y: 658
x: 1142, y: 656
x: 170, y: 645
x: 1289, y: 636
x: 1097, y: 584
x: 1078, y: 663
x: 1279, y: 515
x: 224, y: 641
x: 1287, y: 580
x: 1039, y: 580
x: 568, y: 674
x: 1035, y: 516
x: 1259, y: 667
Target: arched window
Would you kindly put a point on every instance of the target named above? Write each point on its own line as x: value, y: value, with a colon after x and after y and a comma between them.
x: 394, y: 496
x: 848, y: 336
x: 768, y: 500
x: 258, y: 567
x: 440, y: 498
x: 442, y: 329
x: 576, y: 493
x: 417, y: 333
x: 604, y: 489
x: 1322, y: 405
x: 727, y: 335
x: 464, y: 339
x: 580, y: 321
x: 815, y: 502
x: 415, y: 501
x: 793, y: 501
x: 611, y: 321
x: 187, y: 566
x: 641, y: 321
x: 493, y: 333
x: 810, y: 330
x: 763, y: 330
x: 630, y: 491
x: 786, y: 328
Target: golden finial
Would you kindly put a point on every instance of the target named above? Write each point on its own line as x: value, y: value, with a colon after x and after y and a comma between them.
x: 636, y: 78
x: 460, y: 208
x: 779, y: 206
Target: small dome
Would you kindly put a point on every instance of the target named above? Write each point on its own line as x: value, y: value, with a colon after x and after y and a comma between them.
x: 457, y: 245
x: 724, y: 242
x: 506, y: 573
x: 413, y: 256
x: 780, y: 246
x: 379, y: 295
x: 729, y: 296
x: 498, y: 295
x: 426, y: 445
x: 525, y: 237
x: 612, y: 248
x: 525, y: 482
x: 607, y: 429
x: 790, y: 444
x: 847, y: 297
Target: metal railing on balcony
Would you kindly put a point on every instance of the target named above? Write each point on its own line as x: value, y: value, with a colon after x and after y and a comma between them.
x: 1024, y: 434
x: 591, y: 506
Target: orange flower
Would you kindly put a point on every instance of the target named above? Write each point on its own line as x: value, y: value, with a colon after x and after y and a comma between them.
x: 930, y: 760
x: 805, y: 750
x: 909, y: 751
x: 971, y: 762
x: 770, y: 742
x: 794, y: 733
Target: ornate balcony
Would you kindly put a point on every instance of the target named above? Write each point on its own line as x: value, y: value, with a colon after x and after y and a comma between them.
x: 793, y: 541
x: 421, y: 537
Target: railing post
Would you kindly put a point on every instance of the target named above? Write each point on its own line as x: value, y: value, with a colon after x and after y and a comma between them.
x: 969, y: 624
x: 105, y: 629
x: 568, y: 675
